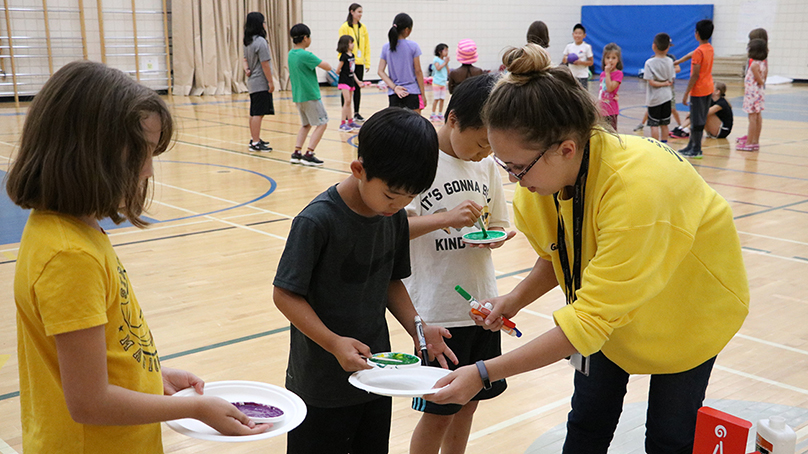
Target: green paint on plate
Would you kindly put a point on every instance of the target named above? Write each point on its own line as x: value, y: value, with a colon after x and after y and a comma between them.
x: 394, y: 359
x: 493, y: 235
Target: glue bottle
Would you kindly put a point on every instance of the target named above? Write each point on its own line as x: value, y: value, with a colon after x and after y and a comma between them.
x: 774, y: 436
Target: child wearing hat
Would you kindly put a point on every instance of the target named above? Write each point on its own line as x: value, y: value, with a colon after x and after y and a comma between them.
x: 466, y: 56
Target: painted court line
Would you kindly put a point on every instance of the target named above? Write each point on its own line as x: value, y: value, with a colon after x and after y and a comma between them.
x: 5, y: 448
x: 520, y: 418
x: 202, y: 194
x: 223, y: 221
x: 762, y: 379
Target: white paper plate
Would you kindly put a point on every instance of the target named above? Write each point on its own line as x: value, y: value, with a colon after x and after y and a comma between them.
x: 293, y: 407
x: 494, y: 236
x: 406, y: 382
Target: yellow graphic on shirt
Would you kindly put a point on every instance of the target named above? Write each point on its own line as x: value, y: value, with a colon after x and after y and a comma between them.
x: 134, y: 335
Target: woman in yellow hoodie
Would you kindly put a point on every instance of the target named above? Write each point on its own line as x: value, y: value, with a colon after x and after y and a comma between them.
x: 646, y: 252
x: 359, y: 33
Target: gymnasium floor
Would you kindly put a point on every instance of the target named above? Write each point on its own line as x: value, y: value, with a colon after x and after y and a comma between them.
x: 203, y: 271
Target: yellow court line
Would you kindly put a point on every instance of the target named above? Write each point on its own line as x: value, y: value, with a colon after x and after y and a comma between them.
x: 3, y: 359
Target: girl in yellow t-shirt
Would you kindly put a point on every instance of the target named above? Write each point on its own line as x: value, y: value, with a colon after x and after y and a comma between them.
x: 646, y: 252
x: 90, y: 376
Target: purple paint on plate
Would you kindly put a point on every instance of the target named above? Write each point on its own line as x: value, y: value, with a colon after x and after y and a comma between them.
x: 256, y: 410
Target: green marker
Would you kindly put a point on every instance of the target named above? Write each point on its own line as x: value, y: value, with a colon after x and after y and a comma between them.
x: 483, y: 311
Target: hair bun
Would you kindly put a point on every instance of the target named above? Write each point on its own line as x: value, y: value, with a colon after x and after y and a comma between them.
x: 529, y: 59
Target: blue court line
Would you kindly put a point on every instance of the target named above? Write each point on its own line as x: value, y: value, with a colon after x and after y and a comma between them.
x: 238, y: 340
x: 351, y: 141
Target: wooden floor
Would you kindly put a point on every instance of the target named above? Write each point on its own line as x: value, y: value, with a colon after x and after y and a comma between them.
x: 203, y: 272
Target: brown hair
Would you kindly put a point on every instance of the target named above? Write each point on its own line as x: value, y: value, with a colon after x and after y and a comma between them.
x: 545, y: 104
x: 759, y: 33
x: 612, y: 47
x: 538, y: 33
x: 758, y: 49
x: 83, y: 147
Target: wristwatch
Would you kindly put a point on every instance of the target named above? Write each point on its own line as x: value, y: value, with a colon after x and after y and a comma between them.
x: 483, y: 374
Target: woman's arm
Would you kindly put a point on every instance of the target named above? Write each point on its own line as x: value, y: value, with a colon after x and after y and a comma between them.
x: 91, y: 399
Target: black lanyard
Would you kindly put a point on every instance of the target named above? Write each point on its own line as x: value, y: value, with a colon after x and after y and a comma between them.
x: 572, y: 276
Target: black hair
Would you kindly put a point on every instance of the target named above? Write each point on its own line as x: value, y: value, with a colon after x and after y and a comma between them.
x: 254, y: 26
x: 401, y: 22
x: 439, y: 48
x: 662, y: 41
x: 352, y: 8
x: 704, y: 28
x: 299, y: 32
x: 342, y: 44
x: 581, y: 26
x: 758, y: 49
x: 399, y: 147
x: 538, y: 33
x: 468, y: 99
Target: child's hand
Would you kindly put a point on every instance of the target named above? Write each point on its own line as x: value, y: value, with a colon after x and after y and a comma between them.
x: 367, y: 83
x: 685, y: 97
x: 435, y: 345
x: 510, y: 235
x: 609, y: 68
x: 446, y: 59
x: 226, y: 418
x: 351, y: 354
x: 401, y: 92
x: 247, y: 71
x: 464, y: 215
x: 175, y: 380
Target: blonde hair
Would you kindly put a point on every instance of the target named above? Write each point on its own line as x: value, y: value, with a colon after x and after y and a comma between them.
x: 83, y: 146
x: 545, y: 104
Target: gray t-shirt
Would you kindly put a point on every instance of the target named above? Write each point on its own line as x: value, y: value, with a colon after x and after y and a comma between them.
x: 342, y: 264
x: 660, y: 70
x: 255, y: 53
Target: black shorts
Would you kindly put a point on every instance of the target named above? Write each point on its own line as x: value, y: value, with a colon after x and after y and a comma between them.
x: 261, y: 104
x: 408, y: 102
x: 659, y: 115
x: 470, y: 344
x: 358, y: 429
x: 723, y: 132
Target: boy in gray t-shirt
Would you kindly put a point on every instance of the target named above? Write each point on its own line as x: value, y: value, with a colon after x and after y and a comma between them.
x: 659, y: 72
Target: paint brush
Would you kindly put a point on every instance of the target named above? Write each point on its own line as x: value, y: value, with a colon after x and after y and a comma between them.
x: 419, y: 328
x: 482, y: 226
x: 478, y: 309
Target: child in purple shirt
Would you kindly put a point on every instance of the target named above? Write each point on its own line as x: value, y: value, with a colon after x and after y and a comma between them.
x: 401, y: 58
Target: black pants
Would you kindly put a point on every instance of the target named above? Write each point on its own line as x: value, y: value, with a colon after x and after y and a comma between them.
x: 673, y: 403
x: 356, y: 429
x: 357, y: 94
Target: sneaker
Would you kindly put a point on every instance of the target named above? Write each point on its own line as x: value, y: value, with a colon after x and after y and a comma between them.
x: 639, y: 127
x: 309, y: 159
x: 297, y: 158
x: 440, y: 118
x: 345, y: 127
x: 358, y: 118
x: 265, y: 143
x: 433, y: 117
x: 689, y: 152
x: 259, y: 146
x: 746, y: 147
x: 678, y: 133
x: 354, y: 126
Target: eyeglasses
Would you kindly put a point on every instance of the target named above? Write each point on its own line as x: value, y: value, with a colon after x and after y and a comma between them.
x: 524, y: 172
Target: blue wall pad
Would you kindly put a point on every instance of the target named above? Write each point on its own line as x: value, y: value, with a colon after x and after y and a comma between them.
x: 633, y: 29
